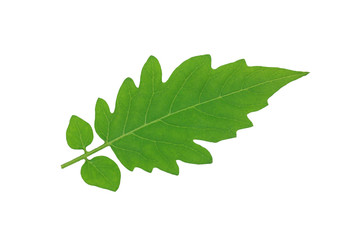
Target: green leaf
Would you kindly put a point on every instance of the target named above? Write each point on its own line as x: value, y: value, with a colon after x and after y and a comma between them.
x: 103, y: 118
x: 155, y: 124
x: 101, y: 172
x: 79, y: 133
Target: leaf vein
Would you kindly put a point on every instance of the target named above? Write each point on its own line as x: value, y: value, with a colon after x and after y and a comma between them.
x: 131, y: 150
x: 151, y: 98
x: 193, y: 106
x: 128, y: 112
x: 182, y: 86
x: 191, y: 127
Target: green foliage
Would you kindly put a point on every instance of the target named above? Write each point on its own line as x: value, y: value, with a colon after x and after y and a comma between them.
x: 155, y: 124
x: 101, y: 172
x: 79, y: 133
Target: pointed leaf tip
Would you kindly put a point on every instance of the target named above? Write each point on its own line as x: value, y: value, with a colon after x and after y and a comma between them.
x: 152, y: 58
x: 301, y: 74
x: 305, y: 73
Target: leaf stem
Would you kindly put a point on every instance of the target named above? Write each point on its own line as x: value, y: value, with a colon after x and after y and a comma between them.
x: 85, y: 155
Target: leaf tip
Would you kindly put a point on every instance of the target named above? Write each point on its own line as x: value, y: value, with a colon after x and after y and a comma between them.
x: 129, y: 82
x: 305, y: 73
x: 152, y: 58
x: 114, y: 189
x: 99, y: 101
x: 207, y: 57
x: 73, y: 117
x: 242, y: 61
x: 302, y: 74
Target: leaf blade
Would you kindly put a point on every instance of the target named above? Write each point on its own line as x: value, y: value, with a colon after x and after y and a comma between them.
x: 103, y: 119
x: 101, y: 172
x: 79, y: 133
x: 193, y: 100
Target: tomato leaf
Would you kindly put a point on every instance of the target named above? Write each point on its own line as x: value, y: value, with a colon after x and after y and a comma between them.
x: 155, y: 124
x: 79, y: 133
x: 101, y: 172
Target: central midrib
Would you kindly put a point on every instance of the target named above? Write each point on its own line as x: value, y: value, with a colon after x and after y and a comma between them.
x: 187, y: 108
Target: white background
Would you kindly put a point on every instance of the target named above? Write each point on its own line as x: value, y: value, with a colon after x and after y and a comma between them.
x: 294, y: 175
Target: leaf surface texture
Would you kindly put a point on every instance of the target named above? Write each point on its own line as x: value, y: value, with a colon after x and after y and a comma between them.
x: 79, y: 133
x: 154, y: 125
x: 102, y: 172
